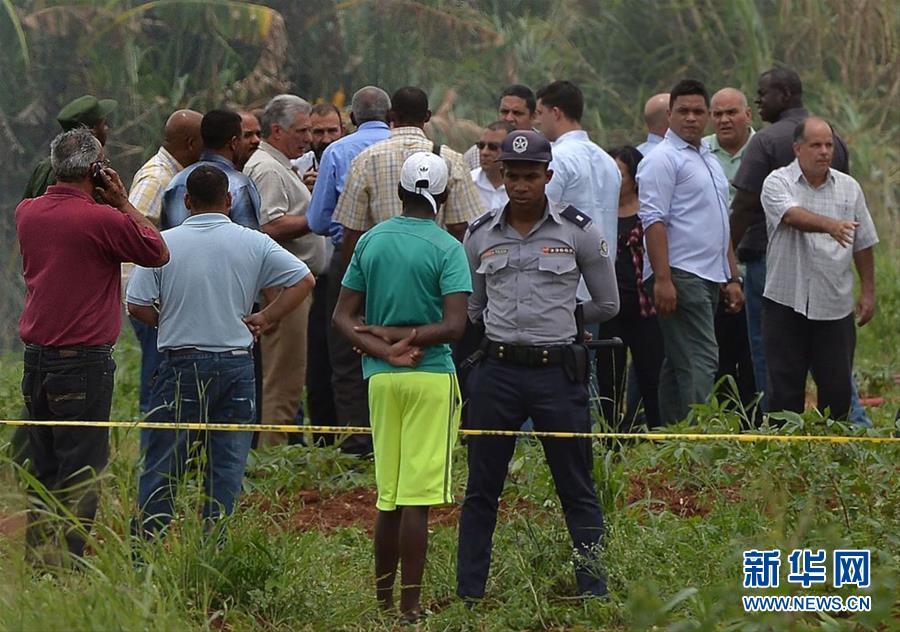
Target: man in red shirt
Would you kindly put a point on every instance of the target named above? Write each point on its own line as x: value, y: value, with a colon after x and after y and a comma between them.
x: 72, y: 251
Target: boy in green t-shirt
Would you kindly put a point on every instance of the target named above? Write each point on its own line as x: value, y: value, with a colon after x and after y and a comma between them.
x: 411, y: 279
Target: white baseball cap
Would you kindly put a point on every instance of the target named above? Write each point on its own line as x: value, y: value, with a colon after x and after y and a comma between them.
x: 425, y: 173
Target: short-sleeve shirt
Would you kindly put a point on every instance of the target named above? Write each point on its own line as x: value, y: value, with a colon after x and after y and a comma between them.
x: 524, y: 288
x: 370, y: 190
x: 72, y: 253
x: 811, y: 272
x: 771, y: 148
x: 406, y: 266
x: 282, y: 192
x: 215, y: 272
x: 730, y: 162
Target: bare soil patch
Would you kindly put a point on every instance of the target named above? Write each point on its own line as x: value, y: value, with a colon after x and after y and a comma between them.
x: 309, y: 509
x: 660, y: 493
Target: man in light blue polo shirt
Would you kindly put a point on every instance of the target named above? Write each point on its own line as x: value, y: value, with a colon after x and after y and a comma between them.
x: 683, y: 198
x: 205, y: 294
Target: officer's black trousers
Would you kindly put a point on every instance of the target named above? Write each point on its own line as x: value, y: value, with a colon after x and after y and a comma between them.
x: 502, y: 397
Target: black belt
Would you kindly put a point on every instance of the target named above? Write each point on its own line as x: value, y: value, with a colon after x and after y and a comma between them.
x: 74, y: 351
x: 193, y: 351
x: 526, y: 356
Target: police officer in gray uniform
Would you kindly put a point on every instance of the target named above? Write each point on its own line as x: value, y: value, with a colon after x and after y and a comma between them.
x: 526, y: 260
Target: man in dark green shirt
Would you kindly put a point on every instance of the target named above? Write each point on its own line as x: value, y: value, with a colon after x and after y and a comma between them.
x: 85, y: 111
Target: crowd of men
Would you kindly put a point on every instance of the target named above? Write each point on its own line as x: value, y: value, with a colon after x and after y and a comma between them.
x: 391, y: 280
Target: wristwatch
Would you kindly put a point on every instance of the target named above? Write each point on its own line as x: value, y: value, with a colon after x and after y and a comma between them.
x: 738, y: 279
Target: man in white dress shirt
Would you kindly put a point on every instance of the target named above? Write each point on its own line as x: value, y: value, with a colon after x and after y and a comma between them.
x: 488, y: 178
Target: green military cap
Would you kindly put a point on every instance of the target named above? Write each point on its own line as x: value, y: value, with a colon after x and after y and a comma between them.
x: 87, y: 110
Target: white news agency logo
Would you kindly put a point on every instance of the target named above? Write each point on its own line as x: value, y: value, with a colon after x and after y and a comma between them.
x: 807, y: 568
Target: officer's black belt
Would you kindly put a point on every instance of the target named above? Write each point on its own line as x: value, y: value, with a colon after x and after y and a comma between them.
x: 526, y: 356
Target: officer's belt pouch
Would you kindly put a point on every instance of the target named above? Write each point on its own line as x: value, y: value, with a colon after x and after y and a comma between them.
x: 575, y: 363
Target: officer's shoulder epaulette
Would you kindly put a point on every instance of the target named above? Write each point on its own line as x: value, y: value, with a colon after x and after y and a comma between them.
x: 582, y: 220
x: 481, y: 221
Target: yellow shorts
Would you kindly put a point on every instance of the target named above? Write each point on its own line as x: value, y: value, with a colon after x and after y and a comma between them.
x: 415, y: 420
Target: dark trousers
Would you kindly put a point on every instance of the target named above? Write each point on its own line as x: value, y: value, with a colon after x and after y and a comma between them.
x: 734, y: 352
x: 150, y: 359
x: 688, y: 372
x: 351, y: 392
x: 795, y: 346
x: 196, y: 387
x: 320, y: 407
x: 462, y: 349
x: 67, y: 384
x: 502, y: 397
x: 644, y: 339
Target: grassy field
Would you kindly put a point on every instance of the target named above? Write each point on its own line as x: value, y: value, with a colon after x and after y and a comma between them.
x: 679, y: 515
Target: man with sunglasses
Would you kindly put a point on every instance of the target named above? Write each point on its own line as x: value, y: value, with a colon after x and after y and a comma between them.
x: 488, y: 178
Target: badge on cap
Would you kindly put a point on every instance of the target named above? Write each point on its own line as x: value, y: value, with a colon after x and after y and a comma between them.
x: 520, y: 144
x: 604, y: 248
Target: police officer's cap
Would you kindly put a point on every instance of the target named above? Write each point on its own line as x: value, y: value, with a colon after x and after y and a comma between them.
x: 526, y: 146
x: 87, y: 110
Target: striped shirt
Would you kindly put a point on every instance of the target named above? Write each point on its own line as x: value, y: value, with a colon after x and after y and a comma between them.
x: 370, y: 191
x: 811, y: 272
x: 150, y: 182
x: 147, y: 189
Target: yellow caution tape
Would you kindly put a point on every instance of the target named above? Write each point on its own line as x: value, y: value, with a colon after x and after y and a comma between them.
x: 471, y: 432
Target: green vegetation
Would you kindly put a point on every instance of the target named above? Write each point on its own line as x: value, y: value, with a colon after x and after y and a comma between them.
x: 154, y: 57
x: 679, y: 515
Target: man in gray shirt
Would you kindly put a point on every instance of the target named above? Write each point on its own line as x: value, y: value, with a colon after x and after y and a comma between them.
x: 526, y: 260
x: 205, y: 296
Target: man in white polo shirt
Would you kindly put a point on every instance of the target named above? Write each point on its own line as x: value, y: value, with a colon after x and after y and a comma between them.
x: 488, y: 178
x: 205, y: 295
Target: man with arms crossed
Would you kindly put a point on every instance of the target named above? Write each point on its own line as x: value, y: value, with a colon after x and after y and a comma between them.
x: 412, y: 281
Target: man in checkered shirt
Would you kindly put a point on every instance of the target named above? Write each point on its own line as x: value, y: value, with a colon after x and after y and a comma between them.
x: 817, y: 222
x: 370, y: 192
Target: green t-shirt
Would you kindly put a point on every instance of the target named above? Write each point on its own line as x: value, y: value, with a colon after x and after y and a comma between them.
x: 406, y: 266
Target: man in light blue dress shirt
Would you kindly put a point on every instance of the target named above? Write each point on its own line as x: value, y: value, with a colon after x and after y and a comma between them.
x: 683, y: 197
x: 584, y: 176
x: 369, y: 108
x: 224, y: 147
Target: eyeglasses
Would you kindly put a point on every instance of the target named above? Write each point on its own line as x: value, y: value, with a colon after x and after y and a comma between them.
x: 492, y: 146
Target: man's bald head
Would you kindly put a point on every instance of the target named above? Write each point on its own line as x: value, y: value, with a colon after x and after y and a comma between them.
x: 814, y: 148
x: 728, y: 95
x: 656, y: 113
x: 181, y: 136
x: 731, y: 118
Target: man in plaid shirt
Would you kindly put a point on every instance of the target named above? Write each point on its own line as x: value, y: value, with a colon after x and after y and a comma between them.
x: 370, y: 192
x: 818, y: 228
x: 181, y: 147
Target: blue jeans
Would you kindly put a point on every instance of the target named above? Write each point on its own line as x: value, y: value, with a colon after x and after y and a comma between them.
x: 150, y: 360
x: 197, y: 387
x: 754, y: 284
x: 858, y: 414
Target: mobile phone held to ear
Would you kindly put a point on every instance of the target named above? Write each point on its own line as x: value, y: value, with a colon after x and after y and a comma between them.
x: 97, y: 176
